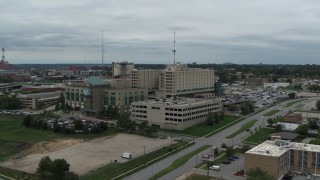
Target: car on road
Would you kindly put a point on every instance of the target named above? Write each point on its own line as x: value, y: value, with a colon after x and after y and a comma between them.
x: 226, y: 162
x: 231, y: 159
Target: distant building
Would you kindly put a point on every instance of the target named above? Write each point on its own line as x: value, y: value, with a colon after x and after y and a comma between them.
x: 122, y: 69
x: 175, y: 79
x: 39, y: 100
x: 176, y: 114
x: 178, y: 79
x: 4, y: 65
x: 275, y: 85
x: 145, y: 78
x: 279, y: 156
x: 254, y: 82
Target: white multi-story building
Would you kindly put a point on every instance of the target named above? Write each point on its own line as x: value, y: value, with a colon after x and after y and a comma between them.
x: 145, y: 78
x: 175, y: 79
x: 179, y: 79
x: 176, y: 114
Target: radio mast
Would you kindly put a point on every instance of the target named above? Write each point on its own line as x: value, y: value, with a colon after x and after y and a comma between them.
x: 174, y: 47
x: 102, y: 49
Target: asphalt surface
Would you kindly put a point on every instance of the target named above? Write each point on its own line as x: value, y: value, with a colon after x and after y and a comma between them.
x: 215, y: 140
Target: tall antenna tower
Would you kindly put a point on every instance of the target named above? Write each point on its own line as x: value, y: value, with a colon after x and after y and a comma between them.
x: 174, y: 47
x: 102, y: 49
x: 3, y: 57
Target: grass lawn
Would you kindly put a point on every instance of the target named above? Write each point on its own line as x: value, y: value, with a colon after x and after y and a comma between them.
x: 203, y: 129
x: 120, y: 168
x: 293, y: 102
x: 199, y: 177
x: 242, y: 128
x: 272, y: 112
x: 259, y: 136
x: 14, y: 137
x: 280, y: 119
x: 179, y: 162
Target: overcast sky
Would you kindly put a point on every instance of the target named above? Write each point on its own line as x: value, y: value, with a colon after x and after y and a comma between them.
x: 141, y: 31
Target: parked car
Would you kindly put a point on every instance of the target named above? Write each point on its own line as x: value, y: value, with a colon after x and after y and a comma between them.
x: 226, y: 162
x: 231, y: 159
x: 235, y: 157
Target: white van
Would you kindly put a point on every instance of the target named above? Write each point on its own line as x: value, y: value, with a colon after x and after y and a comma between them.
x: 215, y: 168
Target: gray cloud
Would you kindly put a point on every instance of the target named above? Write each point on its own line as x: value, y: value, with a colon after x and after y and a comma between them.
x: 141, y: 31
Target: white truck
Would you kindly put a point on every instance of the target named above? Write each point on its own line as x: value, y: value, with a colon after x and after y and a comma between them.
x: 126, y: 155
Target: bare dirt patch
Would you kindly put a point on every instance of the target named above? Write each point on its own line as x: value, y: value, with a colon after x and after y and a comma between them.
x: 51, y: 146
x: 87, y: 156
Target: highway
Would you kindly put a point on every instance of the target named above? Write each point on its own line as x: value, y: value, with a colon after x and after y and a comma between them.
x: 215, y: 140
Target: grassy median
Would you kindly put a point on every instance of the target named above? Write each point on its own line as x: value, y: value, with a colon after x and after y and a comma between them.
x: 259, y: 136
x: 179, y: 162
x: 242, y: 128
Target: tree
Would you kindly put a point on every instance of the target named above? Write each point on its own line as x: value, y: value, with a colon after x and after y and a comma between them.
x: 216, y: 118
x: 28, y: 121
x: 247, y: 108
x: 229, y: 151
x: 124, y: 121
x: 78, y: 125
x: 103, y: 125
x: 142, y: 127
x: 278, y: 128
x: 223, y: 145
x: 216, y: 152
x: 59, y: 168
x: 210, y: 119
x: 133, y: 126
x: 232, y: 107
x: 313, y: 123
x: 270, y: 121
x: 44, y: 166
x: 221, y: 115
x: 258, y: 174
x: 302, y: 129
x: 318, y: 105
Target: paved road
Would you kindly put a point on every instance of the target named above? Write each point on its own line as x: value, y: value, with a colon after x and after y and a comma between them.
x: 215, y: 140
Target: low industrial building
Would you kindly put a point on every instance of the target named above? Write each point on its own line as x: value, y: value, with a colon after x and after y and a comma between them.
x: 178, y: 114
x: 279, y: 156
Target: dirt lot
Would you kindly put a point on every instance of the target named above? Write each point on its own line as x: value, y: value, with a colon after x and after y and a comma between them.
x: 86, y: 156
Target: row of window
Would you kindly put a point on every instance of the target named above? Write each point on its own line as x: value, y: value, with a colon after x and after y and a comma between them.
x: 137, y: 106
x: 186, y: 119
x: 139, y: 111
x: 137, y: 115
x: 191, y: 108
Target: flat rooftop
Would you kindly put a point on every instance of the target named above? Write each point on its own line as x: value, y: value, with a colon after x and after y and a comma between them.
x: 270, y: 148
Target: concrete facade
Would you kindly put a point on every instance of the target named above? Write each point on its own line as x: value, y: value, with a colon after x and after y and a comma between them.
x: 178, y: 79
x: 145, y: 79
x: 174, y: 114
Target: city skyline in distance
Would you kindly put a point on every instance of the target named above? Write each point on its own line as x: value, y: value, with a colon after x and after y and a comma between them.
x: 268, y: 32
